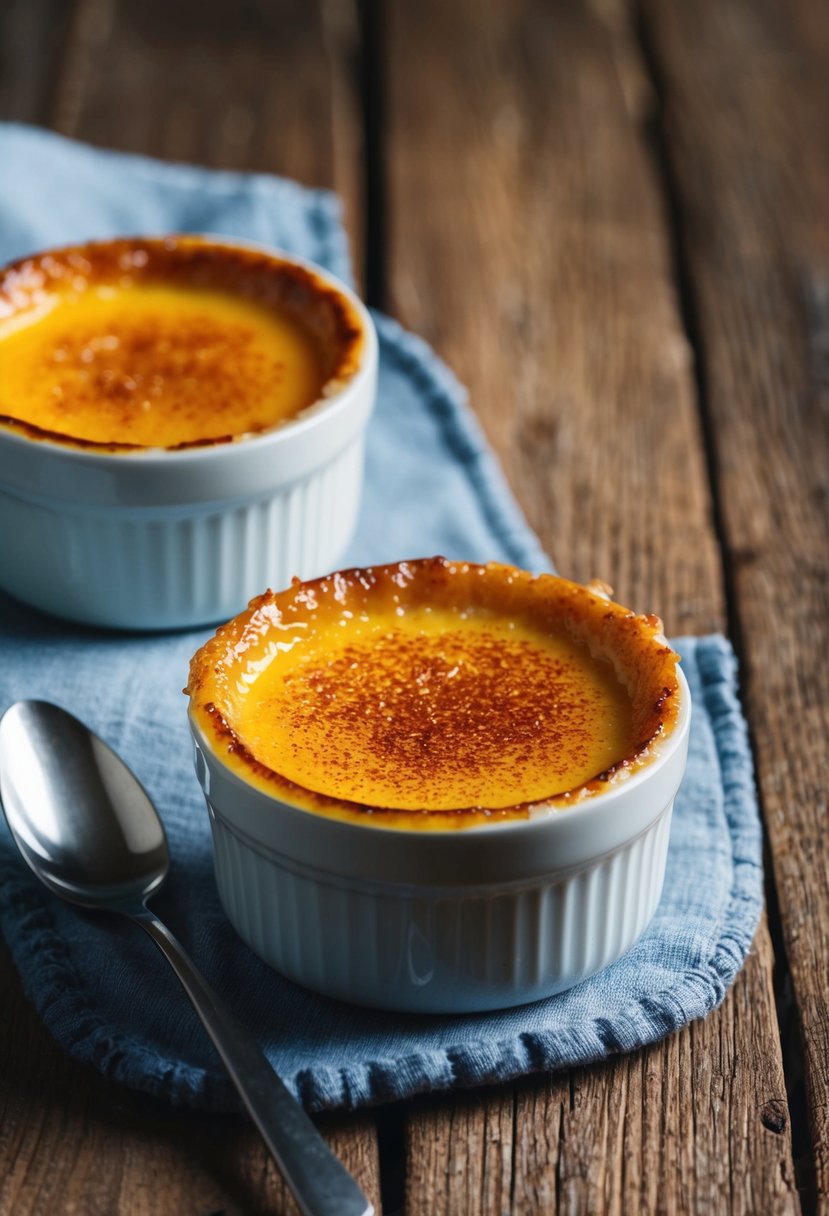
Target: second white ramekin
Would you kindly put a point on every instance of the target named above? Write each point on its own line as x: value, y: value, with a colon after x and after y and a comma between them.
x: 172, y: 539
x: 483, y: 917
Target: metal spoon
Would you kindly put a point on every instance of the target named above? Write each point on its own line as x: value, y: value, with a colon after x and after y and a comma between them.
x: 89, y: 831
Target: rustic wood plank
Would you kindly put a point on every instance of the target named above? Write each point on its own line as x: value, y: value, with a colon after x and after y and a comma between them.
x: 746, y: 89
x: 31, y: 40
x: 528, y: 241
x: 70, y: 1142
x: 539, y: 270
x: 241, y: 86
x: 248, y: 86
x: 477, y: 1175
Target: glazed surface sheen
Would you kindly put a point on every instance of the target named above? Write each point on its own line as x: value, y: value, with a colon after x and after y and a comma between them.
x: 156, y: 367
x: 435, y: 709
x: 432, y: 687
x: 165, y: 344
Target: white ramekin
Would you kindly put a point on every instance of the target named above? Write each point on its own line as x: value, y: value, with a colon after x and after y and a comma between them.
x: 162, y: 539
x: 483, y: 917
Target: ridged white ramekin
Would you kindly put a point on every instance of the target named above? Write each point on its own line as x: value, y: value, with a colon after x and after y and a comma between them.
x: 162, y: 539
x: 482, y: 917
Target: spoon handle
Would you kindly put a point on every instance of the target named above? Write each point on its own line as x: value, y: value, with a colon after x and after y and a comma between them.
x: 319, y: 1183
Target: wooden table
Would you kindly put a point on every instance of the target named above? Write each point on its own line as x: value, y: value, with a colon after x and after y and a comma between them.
x: 612, y: 220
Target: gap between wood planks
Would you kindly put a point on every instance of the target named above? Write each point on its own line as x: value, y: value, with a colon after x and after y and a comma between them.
x: 372, y: 92
x: 376, y: 279
x: 791, y: 1045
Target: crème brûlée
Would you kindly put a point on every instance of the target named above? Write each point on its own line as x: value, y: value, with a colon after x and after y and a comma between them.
x: 433, y: 694
x: 167, y: 343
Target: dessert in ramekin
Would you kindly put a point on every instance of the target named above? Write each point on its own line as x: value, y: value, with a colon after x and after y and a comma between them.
x: 436, y: 786
x: 181, y: 423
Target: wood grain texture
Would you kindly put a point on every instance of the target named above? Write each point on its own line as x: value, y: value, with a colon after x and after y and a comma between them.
x: 539, y: 270
x: 754, y: 136
x: 71, y: 1143
x: 235, y: 86
x: 529, y: 241
x: 476, y: 1175
x: 247, y: 86
x: 32, y: 37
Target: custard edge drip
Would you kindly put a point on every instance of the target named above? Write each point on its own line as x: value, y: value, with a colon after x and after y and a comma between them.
x: 641, y: 657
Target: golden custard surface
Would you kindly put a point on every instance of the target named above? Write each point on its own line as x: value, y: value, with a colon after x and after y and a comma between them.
x: 435, y: 709
x: 152, y: 365
x: 433, y: 695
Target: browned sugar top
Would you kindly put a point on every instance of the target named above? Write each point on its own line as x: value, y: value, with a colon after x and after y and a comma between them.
x: 166, y: 343
x: 443, y: 689
x: 435, y: 711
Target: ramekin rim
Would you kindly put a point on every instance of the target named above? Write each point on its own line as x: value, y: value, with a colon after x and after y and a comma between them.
x: 308, y: 419
x: 588, y: 807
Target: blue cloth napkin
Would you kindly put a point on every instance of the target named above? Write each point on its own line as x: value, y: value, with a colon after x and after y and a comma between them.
x: 431, y: 487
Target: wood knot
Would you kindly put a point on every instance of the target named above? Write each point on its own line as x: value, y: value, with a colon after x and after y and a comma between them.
x: 773, y: 1115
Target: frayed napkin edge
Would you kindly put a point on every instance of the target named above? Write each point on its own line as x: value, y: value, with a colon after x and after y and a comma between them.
x: 67, y: 1011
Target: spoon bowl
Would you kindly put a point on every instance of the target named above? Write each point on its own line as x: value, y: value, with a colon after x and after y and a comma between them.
x: 82, y: 821
x: 87, y: 828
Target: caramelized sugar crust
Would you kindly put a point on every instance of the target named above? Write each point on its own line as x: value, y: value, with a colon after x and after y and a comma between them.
x: 190, y: 350
x: 432, y: 694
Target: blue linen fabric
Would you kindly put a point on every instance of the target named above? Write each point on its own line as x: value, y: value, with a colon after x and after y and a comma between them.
x: 431, y: 486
